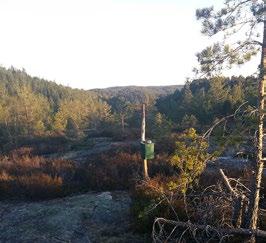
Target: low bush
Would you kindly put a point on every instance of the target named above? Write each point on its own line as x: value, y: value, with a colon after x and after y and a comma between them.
x: 151, y: 200
x: 165, y: 195
x: 25, y: 176
x: 119, y: 170
x: 110, y: 171
x: 40, y: 186
x: 41, y: 145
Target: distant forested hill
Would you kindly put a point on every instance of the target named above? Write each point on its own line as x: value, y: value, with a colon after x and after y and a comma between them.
x: 30, y: 106
x: 12, y: 79
x: 137, y: 94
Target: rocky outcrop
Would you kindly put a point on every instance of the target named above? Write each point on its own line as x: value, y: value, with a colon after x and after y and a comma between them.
x: 91, y: 217
x: 98, y: 147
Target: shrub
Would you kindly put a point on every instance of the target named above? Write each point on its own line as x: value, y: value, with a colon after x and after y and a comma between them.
x: 41, y: 145
x: 164, y: 195
x: 72, y: 130
x: 23, y: 175
x: 39, y: 186
x: 110, y: 171
x: 151, y: 200
x: 190, y: 158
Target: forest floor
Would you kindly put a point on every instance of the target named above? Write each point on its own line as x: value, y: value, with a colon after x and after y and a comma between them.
x: 92, y: 217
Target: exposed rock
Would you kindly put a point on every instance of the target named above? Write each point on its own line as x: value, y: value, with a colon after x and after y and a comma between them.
x: 79, y: 156
x: 91, y: 217
x: 230, y: 163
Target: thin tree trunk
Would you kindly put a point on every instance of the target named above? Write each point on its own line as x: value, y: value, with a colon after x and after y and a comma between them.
x: 237, y: 212
x: 123, y: 123
x: 8, y: 129
x: 252, y: 215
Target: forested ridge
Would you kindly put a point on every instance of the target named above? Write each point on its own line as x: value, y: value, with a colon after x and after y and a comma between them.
x: 137, y: 94
x: 31, y: 106
x: 202, y: 101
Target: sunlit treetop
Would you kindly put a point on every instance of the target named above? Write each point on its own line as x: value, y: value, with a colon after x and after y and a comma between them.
x: 239, y: 22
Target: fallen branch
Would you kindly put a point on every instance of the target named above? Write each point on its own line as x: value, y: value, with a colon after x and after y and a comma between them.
x: 227, y: 183
x: 223, y: 231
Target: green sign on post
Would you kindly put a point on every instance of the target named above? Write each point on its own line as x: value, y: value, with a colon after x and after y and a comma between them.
x: 147, y: 150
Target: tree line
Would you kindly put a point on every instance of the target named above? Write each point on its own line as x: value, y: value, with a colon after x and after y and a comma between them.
x: 202, y: 101
x: 30, y: 106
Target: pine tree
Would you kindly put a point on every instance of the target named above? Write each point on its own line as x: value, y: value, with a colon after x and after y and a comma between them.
x: 72, y: 130
x: 246, y: 16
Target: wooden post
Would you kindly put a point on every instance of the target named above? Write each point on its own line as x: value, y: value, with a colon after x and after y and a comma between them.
x: 143, y: 139
x: 143, y: 124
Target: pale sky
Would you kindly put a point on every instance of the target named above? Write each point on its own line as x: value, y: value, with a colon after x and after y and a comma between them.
x: 102, y: 43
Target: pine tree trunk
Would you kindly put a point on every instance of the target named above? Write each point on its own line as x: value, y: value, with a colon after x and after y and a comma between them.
x: 253, y: 210
x: 123, y: 123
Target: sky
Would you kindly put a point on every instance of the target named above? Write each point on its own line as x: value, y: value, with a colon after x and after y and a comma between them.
x: 102, y: 43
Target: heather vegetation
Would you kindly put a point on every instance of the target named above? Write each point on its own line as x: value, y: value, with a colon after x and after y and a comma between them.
x: 57, y: 141
x: 52, y: 119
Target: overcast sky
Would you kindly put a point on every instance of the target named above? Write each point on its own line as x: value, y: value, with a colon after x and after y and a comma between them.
x: 102, y: 43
